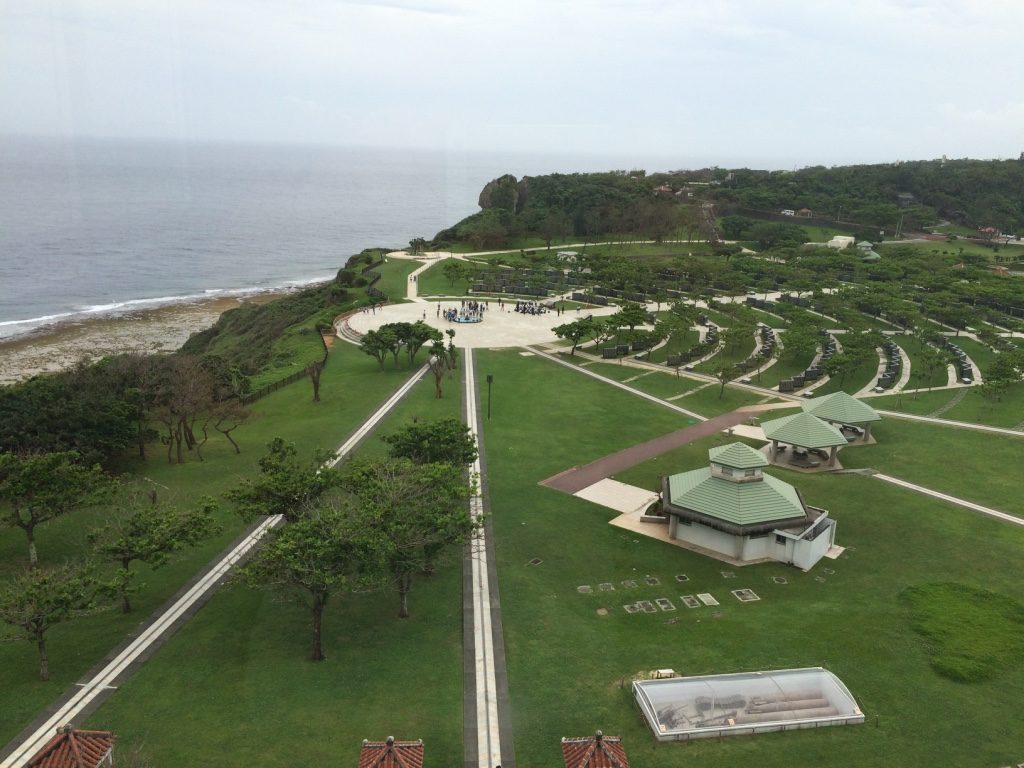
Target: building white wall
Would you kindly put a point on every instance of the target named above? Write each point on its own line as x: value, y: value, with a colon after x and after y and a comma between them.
x: 781, y: 546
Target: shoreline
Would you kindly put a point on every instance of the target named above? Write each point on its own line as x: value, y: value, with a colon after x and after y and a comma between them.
x: 164, y: 328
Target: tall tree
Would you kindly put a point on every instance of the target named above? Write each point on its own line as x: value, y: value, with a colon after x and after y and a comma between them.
x: 39, y: 598
x: 445, y: 441
x: 314, y: 558
x: 416, y: 510
x: 284, y: 486
x: 142, y: 530
x: 40, y: 487
x: 576, y: 331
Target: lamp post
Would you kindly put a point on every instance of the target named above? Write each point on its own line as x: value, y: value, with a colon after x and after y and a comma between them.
x: 490, y: 380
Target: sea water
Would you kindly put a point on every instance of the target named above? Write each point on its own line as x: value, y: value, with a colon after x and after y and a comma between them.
x: 91, y: 227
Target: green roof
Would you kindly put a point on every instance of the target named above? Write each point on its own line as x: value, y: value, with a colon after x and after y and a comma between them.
x: 766, y: 500
x: 737, y: 456
x: 842, y: 408
x: 803, y: 429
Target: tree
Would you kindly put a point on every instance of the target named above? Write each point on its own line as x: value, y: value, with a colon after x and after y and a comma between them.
x: 37, y: 488
x: 39, y: 598
x: 724, y: 372
x: 417, y: 245
x: 285, y: 486
x: 378, y: 343
x: 414, y: 510
x: 322, y: 553
x: 447, y: 441
x: 437, y: 362
x: 630, y: 314
x: 313, y: 370
x: 418, y: 334
x: 145, y: 531
x: 555, y: 225
x: 452, y: 269
x: 575, y: 331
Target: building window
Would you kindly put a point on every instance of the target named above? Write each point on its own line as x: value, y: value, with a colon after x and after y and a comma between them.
x: 780, y: 539
x: 749, y: 472
x: 727, y: 471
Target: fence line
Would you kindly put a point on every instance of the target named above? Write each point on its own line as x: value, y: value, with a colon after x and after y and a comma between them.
x: 291, y: 378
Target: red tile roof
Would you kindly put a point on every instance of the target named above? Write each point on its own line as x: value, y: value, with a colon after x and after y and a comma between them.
x: 391, y: 754
x: 72, y: 748
x: 597, y: 751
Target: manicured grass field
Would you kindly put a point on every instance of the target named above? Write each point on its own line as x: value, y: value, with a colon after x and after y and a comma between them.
x: 918, y: 377
x: 788, y: 365
x: 960, y: 462
x: 433, y: 282
x: 254, y: 698
x: 570, y: 662
x: 394, y: 278
x: 351, y: 387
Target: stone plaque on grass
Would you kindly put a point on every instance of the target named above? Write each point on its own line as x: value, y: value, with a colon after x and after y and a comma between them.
x: 606, y: 586
x: 652, y: 581
x: 665, y: 604
x: 690, y: 601
x: 647, y: 606
x: 584, y: 589
x: 682, y: 577
x: 706, y: 598
x: 745, y: 595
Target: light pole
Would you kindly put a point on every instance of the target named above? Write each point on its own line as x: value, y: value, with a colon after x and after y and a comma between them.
x: 490, y: 380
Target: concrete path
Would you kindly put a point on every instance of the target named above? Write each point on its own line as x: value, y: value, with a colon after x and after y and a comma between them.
x: 84, y: 698
x: 631, y: 390
x: 952, y: 499
x: 487, y: 719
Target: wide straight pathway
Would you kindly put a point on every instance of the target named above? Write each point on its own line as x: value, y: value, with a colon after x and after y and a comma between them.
x: 487, y: 722
x: 85, y: 697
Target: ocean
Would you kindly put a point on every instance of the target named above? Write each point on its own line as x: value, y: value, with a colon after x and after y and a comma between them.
x: 91, y: 228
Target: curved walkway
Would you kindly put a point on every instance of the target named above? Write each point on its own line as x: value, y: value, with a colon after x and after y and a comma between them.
x: 84, y: 698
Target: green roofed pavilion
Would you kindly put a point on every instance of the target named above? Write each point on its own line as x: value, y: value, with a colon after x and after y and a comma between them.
x: 729, y: 509
x: 740, y: 506
x: 804, y: 430
x: 843, y: 409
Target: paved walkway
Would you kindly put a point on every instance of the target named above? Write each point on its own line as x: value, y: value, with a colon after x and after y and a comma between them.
x: 951, y: 499
x: 486, y: 714
x: 84, y: 698
x: 576, y: 479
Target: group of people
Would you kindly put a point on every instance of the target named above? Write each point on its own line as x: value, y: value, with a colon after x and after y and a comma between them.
x: 469, y: 312
x: 530, y: 308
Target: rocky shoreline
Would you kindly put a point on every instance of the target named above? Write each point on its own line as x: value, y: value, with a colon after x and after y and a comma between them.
x: 161, y: 329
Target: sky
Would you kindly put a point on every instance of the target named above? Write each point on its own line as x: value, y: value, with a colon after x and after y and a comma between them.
x: 762, y: 83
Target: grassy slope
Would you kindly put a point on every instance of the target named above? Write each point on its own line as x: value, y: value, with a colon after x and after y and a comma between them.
x: 568, y: 664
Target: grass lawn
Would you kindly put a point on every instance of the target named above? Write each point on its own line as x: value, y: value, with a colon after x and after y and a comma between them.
x: 788, y: 365
x: 394, y: 278
x: 570, y: 666
x: 737, y: 353
x: 246, y: 653
x: 959, y: 462
x: 678, y: 343
x: 351, y: 387
x: 432, y: 282
x: 913, y: 347
x: 855, y: 380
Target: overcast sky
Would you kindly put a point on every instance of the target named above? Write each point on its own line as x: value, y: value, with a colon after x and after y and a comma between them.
x: 770, y: 83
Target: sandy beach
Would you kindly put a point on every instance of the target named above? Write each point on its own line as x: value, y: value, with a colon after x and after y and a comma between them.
x: 161, y: 329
